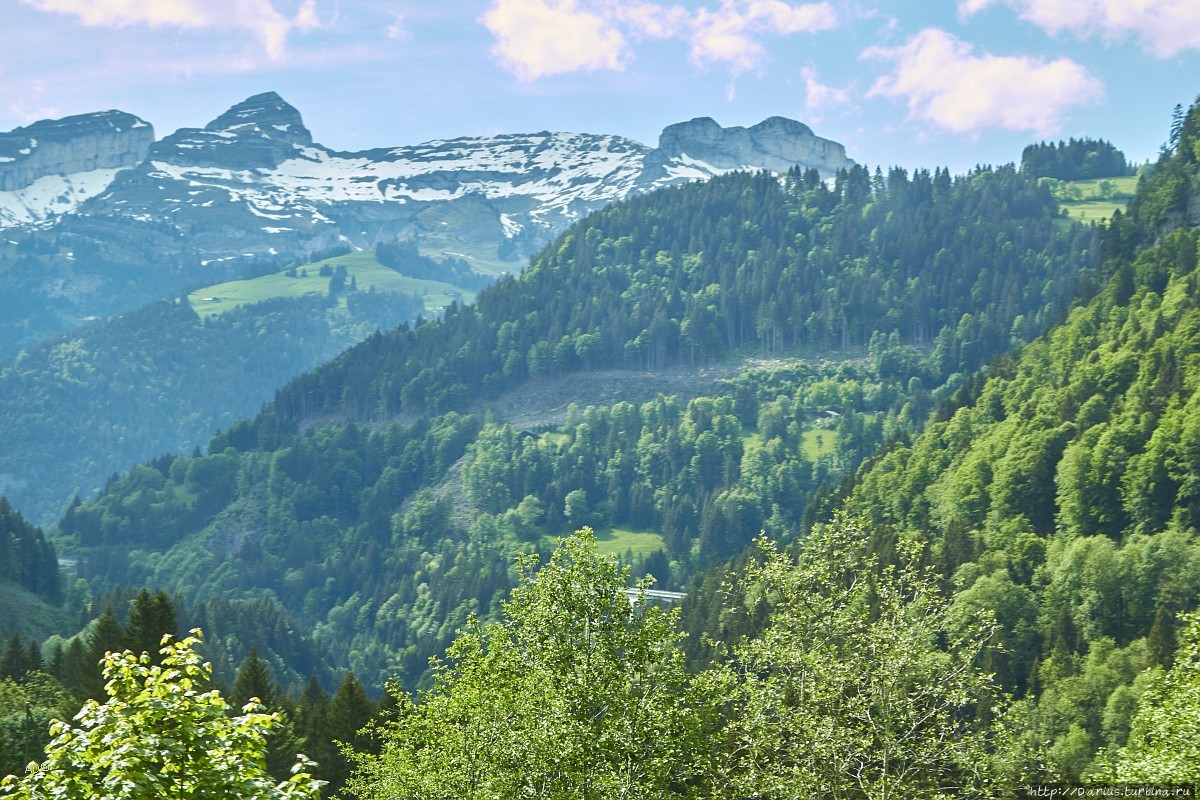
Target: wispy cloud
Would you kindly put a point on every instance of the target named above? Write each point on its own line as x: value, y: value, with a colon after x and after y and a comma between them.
x: 1165, y: 27
x: 258, y: 17
x: 648, y: 20
x: 536, y: 38
x: 28, y: 108
x: 947, y: 84
x: 819, y: 96
x: 396, y: 31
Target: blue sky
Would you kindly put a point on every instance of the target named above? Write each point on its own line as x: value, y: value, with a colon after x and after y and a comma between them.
x: 918, y: 83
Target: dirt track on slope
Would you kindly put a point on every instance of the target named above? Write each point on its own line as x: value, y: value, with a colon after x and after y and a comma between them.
x: 544, y: 401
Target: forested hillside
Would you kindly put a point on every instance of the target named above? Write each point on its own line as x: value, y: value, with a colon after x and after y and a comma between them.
x: 378, y: 514
x: 77, y: 409
x: 688, y: 276
x: 1063, y: 494
x: 1074, y: 160
x: 1060, y: 493
x: 26, y: 558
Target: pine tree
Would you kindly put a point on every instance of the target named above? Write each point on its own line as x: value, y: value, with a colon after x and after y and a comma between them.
x: 349, y: 711
x: 1160, y: 642
x: 253, y: 680
x: 13, y: 660
x: 106, y: 636
x: 150, y: 618
x: 1177, y: 120
x: 311, y: 711
x: 33, y: 658
x: 70, y: 674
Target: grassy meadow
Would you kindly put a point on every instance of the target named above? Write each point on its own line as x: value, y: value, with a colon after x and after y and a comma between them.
x: 1090, y: 201
x: 361, y: 266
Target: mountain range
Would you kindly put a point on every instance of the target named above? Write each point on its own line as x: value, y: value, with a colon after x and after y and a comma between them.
x: 96, y: 217
x: 258, y: 161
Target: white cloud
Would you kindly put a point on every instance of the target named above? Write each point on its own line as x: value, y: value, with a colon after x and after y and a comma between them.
x: 1165, y: 27
x: 535, y: 38
x: 722, y: 36
x: 259, y: 17
x: 781, y: 17
x: 733, y: 32
x: 306, y: 17
x: 819, y: 95
x: 945, y: 83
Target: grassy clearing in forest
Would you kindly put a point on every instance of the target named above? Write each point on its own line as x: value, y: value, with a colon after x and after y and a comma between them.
x: 361, y: 266
x: 1095, y: 200
x: 619, y: 541
x: 817, y: 442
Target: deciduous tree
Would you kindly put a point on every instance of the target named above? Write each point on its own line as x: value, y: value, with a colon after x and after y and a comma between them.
x: 163, y: 732
x: 576, y: 693
x: 1164, y: 738
x: 862, y: 684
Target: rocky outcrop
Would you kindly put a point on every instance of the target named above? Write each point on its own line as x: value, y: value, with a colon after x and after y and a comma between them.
x: 776, y: 144
x: 71, y: 145
x: 257, y: 133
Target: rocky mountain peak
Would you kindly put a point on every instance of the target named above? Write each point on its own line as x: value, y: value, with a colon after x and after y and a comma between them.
x: 265, y: 114
x: 776, y: 144
x: 779, y: 126
x: 258, y: 133
x: 252, y: 183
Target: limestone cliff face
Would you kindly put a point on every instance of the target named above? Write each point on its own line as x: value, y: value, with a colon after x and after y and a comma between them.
x: 776, y: 144
x: 81, y: 143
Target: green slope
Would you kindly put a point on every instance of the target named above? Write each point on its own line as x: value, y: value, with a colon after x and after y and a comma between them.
x: 160, y: 379
x: 361, y: 267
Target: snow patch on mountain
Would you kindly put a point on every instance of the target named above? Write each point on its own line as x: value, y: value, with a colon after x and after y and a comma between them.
x: 51, y: 196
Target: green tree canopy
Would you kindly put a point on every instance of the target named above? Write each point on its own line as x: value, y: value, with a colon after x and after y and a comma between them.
x: 864, y: 682
x: 576, y: 693
x: 163, y: 732
x: 1164, y: 738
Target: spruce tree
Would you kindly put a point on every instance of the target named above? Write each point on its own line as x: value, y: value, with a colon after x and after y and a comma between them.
x: 253, y: 680
x: 150, y: 618
x: 33, y: 658
x: 311, y: 711
x: 106, y: 636
x: 12, y: 662
x: 349, y: 711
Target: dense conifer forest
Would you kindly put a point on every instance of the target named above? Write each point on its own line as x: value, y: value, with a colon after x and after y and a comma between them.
x: 1074, y: 160
x: 939, y: 536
